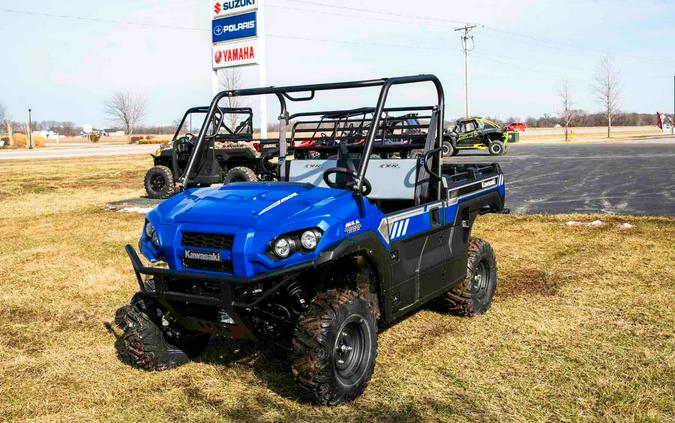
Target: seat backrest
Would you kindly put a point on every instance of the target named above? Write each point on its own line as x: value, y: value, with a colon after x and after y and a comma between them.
x: 423, y: 177
x: 391, y: 179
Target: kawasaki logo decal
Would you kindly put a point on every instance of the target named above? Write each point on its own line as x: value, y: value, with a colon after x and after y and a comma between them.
x: 202, y: 255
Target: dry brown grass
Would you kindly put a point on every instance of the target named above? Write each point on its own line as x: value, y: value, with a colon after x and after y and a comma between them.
x: 581, y: 327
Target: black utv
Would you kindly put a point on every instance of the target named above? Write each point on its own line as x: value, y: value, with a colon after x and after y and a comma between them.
x: 232, y: 155
x: 475, y: 134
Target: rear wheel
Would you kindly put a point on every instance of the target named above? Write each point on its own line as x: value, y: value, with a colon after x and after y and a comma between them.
x: 240, y: 174
x: 496, y: 148
x: 334, y: 347
x: 159, y: 182
x: 153, y: 341
x: 474, y: 295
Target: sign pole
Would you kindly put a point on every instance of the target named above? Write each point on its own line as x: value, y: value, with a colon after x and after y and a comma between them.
x: 30, y: 130
x: 215, y: 84
x: 262, y: 67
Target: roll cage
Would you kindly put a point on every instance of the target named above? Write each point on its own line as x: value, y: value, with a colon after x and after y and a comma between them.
x: 243, y: 131
x: 368, y: 125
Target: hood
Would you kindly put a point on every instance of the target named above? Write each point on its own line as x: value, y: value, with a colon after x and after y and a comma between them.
x: 260, y: 204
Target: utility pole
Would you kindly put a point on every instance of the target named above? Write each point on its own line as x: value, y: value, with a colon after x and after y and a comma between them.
x: 465, y: 46
x: 30, y: 131
x: 672, y: 120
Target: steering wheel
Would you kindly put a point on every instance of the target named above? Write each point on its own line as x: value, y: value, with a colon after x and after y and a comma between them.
x: 427, y: 159
x: 366, y: 188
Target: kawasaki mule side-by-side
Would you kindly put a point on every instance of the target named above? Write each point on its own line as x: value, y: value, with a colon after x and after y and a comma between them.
x: 342, y: 244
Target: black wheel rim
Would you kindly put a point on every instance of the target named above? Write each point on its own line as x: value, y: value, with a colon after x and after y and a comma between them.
x: 351, y: 353
x: 157, y: 183
x: 481, y: 280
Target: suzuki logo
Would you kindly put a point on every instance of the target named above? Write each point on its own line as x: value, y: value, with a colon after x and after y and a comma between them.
x: 217, y: 8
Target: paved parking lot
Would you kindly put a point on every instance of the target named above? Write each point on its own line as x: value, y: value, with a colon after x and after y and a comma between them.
x: 617, y: 178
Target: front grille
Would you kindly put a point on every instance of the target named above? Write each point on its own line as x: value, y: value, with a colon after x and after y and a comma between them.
x: 201, y: 240
x: 210, y: 266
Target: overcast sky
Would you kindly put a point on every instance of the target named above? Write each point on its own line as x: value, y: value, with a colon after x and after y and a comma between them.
x: 65, y: 68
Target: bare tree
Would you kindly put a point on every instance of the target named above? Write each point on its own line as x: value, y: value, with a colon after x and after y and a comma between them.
x: 567, y: 111
x: 607, y: 90
x: 232, y: 79
x: 126, y: 110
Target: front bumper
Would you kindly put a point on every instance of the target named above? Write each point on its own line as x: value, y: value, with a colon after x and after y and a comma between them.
x: 220, y: 299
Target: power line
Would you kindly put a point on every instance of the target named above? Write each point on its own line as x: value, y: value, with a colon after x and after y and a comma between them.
x: 358, y: 43
x: 379, y: 12
x: 370, y: 18
x: 143, y: 24
x: 104, y: 20
x: 548, y: 42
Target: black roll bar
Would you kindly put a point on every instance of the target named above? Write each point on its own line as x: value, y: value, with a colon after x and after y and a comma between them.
x: 283, y: 93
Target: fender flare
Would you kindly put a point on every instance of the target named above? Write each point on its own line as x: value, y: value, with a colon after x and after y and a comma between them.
x: 370, y: 245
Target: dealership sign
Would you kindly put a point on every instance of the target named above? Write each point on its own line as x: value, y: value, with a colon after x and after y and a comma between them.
x: 235, y: 54
x: 232, y: 7
x: 234, y: 27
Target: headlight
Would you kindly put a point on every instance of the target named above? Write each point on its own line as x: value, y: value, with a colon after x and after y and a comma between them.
x: 283, y: 247
x: 151, y: 234
x: 309, y: 239
x: 302, y: 241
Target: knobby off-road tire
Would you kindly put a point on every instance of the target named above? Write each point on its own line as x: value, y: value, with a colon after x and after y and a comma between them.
x: 240, y: 174
x: 474, y: 295
x: 152, y: 348
x: 448, y: 149
x: 496, y: 148
x: 335, y: 347
x: 159, y: 182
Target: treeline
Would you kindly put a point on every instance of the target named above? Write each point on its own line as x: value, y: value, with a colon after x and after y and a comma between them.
x: 69, y: 129
x: 581, y: 118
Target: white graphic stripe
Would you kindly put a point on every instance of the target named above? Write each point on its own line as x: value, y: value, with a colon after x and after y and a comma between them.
x: 405, y: 227
x: 393, y: 230
x: 400, y: 229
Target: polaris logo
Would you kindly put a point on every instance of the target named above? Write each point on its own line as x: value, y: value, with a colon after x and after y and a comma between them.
x: 202, y: 255
x: 489, y: 183
x: 221, y: 29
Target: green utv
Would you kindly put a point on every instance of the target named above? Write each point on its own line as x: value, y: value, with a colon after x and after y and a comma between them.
x: 476, y: 134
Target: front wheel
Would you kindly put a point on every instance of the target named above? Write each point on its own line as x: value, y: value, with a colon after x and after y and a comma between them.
x: 474, y: 295
x: 159, y: 182
x: 496, y: 148
x: 240, y: 174
x: 448, y: 149
x: 153, y: 340
x: 334, y: 347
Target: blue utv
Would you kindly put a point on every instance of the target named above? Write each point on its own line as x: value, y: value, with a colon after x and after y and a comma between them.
x: 344, y: 242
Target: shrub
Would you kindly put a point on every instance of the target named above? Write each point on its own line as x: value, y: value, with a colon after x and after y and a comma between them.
x: 21, y: 141
x: 135, y: 139
x: 149, y: 137
x: 95, y: 136
x: 154, y: 141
